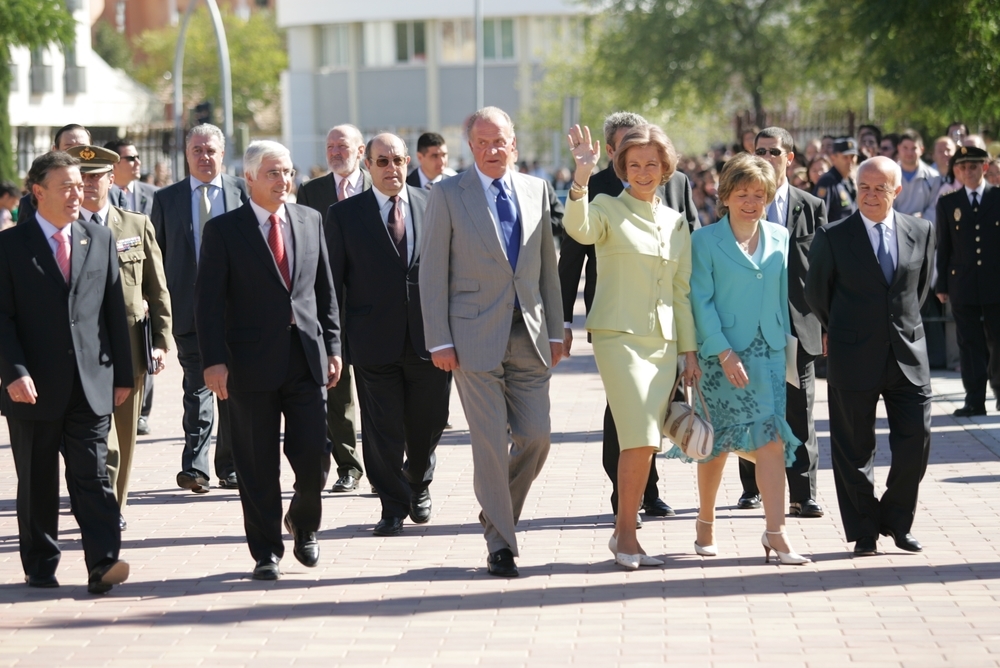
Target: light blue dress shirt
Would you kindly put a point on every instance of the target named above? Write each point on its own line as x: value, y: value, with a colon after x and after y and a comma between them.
x: 216, y: 201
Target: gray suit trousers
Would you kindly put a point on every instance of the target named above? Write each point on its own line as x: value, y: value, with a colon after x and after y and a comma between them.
x: 514, y: 394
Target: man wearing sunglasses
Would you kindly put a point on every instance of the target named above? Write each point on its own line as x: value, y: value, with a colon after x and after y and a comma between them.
x: 802, y: 214
x: 374, y: 243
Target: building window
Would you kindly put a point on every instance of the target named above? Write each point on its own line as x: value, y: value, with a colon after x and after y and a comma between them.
x: 547, y: 33
x: 458, y: 41
x: 379, y: 43
x: 411, y: 42
x: 336, y: 46
x: 498, y: 39
x: 40, y: 76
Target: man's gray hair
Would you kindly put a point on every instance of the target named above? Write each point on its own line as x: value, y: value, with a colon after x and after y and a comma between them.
x: 620, y: 120
x: 884, y: 165
x: 206, y: 129
x: 495, y: 114
x: 258, y: 150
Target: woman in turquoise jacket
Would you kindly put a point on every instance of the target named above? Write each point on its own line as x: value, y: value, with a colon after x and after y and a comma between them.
x: 739, y: 297
x: 641, y: 318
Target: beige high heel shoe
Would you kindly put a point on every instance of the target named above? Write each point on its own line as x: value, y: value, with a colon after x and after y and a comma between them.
x: 788, y: 558
x: 644, y: 559
x: 705, y: 550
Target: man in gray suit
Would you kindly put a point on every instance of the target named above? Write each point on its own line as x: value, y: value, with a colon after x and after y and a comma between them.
x: 180, y: 212
x: 489, y: 289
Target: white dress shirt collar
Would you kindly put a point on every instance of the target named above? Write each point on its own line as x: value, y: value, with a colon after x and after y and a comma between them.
x: 353, y: 181
x: 88, y: 215
x: 487, y: 181
x: 382, y: 198
x: 264, y: 216
x: 48, y: 229
x: 195, y: 183
x: 978, y: 191
x: 874, y: 235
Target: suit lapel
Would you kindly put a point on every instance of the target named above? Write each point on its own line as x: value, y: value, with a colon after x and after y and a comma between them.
x: 141, y: 195
x: 81, y: 248
x: 298, y: 228
x: 794, y: 218
x: 474, y: 198
x: 231, y: 195
x: 45, y: 260
x: 906, y: 244
x: 418, y: 221
x: 250, y: 229
x: 861, y: 246
x: 372, y: 220
x: 527, y: 201
x: 727, y: 242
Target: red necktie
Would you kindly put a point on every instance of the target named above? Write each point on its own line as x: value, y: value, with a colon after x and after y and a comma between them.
x: 277, y: 243
x: 397, y: 228
x: 62, y: 254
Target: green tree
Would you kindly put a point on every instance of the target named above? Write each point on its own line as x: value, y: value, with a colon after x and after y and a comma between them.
x: 940, y: 58
x: 256, y: 52
x: 113, y: 47
x: 31, y: 24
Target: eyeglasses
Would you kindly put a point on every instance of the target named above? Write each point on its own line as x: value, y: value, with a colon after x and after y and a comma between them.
x: 397, y: 160
x: 275, y: 174
x: 775, y: 152
x: 130, y: 158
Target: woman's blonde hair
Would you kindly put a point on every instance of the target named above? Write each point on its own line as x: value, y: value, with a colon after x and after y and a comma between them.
x: 742, y: 171
x: 646, y: 135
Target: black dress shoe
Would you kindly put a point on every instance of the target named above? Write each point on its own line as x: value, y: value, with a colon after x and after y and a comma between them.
x: 748, y: 502
x: 266, y: 569
x: 122, y: 524
x: 866, y: 546
x: 193, y: 480
x: 420, y: 506
x: 389, y: 526
x: 970, y: 411
x: 501, y: 564
x: 904, y: 541
x: 41, y: 581
x: 345, y: 483
x: 807, y: 508
x: 306, y: 546
x: 103, y: 578
x: 142, y: 426
x: 229, y: 482
x: 658, y: 508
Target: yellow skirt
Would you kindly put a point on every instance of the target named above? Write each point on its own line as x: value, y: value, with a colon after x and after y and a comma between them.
x: 638, y: 373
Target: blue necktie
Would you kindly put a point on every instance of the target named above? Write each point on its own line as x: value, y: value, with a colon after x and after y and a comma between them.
x: 884, y: 259
x: 511, y: 228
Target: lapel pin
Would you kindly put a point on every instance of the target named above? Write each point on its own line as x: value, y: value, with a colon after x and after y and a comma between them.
x: 83, y: 242
x: 958, y: 215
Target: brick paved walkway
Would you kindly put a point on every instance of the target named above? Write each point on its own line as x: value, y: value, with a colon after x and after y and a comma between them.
x: 424, y: 598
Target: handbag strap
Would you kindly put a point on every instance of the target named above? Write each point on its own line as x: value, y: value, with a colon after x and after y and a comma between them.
x: 690, y: 401
x: 704, y: 406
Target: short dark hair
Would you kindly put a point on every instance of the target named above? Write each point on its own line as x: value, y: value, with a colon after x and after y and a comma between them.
x: 69, y: 128
x: 781, y: 134
x: 44, y: 164
x: 8, y: 188
x: 117, y: 144
x: 912, y: 135
x: 893, y: 137
x: 874, y: 129
x: 429, y: 140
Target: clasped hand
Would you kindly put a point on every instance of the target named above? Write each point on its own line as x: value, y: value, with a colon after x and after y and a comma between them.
x: 732, y: 366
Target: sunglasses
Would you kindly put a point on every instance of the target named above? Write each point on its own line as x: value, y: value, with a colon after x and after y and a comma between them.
x: 775, y: 152
x: 130, y: 158
x: 397, y: 160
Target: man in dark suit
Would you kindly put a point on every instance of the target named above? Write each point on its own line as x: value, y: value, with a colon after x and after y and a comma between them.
x: 374, y: 243
x: 678, y: 196
x: 868, y: 275
x: 801, y: 214
x: 180, y: 213
x: 268, y: 329
x: 65, y: 138
x: 432, y: 160
x: 344, y: 149
x: 968, y: 274
x: 65, y: 363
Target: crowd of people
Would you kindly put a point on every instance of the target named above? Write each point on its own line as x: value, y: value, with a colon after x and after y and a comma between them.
x: 409, y: 281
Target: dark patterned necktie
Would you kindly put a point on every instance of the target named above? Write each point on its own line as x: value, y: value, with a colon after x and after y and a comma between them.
x: 397, y: 228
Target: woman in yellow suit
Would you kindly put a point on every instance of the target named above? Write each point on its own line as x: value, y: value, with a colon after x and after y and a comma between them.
x: 641, y: 318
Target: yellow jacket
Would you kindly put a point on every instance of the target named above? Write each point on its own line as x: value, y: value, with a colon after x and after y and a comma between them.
x: 644, y: 266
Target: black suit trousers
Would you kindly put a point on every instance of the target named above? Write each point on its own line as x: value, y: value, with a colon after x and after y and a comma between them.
x: 799, y: 403
x: 35, y: 445
x: 256, y: 426
x: 978, y: 330
x: 404, y: 412
x: 340, y: 426
x: 611, y: 452
x: 199, y: 414
x: 852, y: 440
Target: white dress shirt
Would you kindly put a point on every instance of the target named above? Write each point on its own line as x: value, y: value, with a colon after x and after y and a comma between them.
x: 48, y: 229
x: 88, y: 215
x: 874, y: 236
x: 978, y: 191
x: 781, y: 204
x: 129, y: 191
x: 216, y: 202
x: 263, y: 216
x: 491, y: 199
x: 355, y: 184
x: 385, y: 207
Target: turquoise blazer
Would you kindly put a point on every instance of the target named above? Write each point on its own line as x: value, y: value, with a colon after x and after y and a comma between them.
x: 731, y: 296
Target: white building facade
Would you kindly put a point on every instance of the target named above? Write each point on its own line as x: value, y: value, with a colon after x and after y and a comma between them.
x: 53, y: 87
x: 408, y: 66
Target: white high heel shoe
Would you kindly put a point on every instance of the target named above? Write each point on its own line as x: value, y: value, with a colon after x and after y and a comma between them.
x: 644, y: 559
x: 788, y: 558
x: 705, y: 550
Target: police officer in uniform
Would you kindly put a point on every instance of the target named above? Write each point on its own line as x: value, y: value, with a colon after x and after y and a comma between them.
x: 968, y: 264
x: 837, y: 187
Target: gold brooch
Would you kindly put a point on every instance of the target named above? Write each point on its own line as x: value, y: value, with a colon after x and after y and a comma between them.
x: 87, y: 154
x: 958, y: 215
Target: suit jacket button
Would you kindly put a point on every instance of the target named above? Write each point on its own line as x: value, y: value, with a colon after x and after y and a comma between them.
x: 510, y: 306
x: 759, y: 275
x: 70, y: 351
x: 977, y: 239
x: 288, y: 329
x: 979, y: 250
x: 953, y: 272
x: 979, y: 261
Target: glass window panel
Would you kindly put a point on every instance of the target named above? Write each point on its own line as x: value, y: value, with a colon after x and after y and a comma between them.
x: 419, y: 40
x: 507, y: 39
x: 489, y: 39
x: 402, y: 43
x: 458, y: 42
